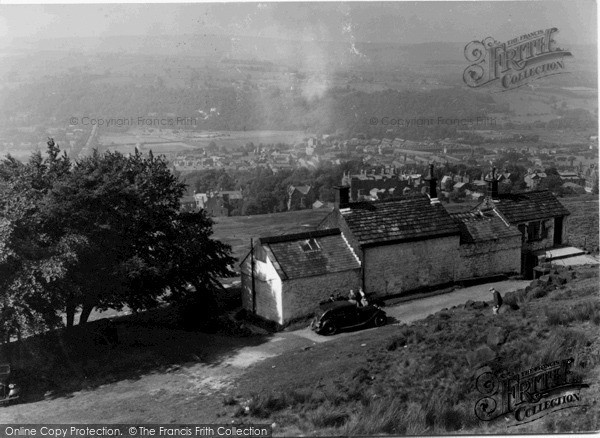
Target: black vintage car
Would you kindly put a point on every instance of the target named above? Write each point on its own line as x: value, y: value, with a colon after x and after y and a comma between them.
x: 334, y: 316
x: 9, y: 390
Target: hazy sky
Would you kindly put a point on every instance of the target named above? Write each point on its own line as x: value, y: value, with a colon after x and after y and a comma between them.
x: 403, y: 22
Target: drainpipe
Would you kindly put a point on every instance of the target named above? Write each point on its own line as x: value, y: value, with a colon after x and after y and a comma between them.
x: 252, y: 270
x: 364, y: 260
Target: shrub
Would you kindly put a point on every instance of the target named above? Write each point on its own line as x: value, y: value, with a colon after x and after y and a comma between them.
x: 327, y: 416
x: 379, y: 416
x: 362, y: 375
x: 406, y: 333
x: 396, y: 343
x: 588, y: 274
x: 414, y: 420
x: 516, y: 297
x: 586, y: 311
x: 561, y: 344
x: 264, y: 405
x: 299, y: 396
x: 449, y: 420
x: 229, y: 401
x: 539, y: 292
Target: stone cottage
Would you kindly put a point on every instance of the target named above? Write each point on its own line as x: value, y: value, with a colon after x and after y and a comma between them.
x: 411, y: 243
x: 300, y: 197
x: 387, y: 182
x: 538, y: 215
x: 398, y: 246
x: 223, y: 203
x: 285, y: 277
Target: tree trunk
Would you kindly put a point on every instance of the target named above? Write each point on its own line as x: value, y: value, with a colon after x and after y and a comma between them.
x: 85, y: 312
x: 70, y: 315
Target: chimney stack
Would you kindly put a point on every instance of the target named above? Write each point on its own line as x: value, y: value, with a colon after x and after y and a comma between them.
x: 432, y: 181
x: 493, y: 186
x: 342, y: 196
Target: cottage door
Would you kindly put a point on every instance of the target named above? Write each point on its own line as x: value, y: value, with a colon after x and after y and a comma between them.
x: 558, y: 226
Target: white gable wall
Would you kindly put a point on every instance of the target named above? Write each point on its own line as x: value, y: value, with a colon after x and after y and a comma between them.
x: 267, y: 289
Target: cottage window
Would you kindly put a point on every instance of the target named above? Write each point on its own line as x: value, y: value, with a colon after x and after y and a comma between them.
x: 310, y: 245
x: 533, y: 231
x: 544, y: 231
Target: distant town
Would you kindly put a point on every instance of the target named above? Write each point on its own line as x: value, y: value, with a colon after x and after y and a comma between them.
x: 381, y: 167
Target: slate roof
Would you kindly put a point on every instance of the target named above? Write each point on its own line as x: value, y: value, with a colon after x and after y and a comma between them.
x: 477, y: 226
x: 398, y: 219
x: 529, y: 206
x: 292, y: 261
x: 302, y: 189
x: 233, y: 194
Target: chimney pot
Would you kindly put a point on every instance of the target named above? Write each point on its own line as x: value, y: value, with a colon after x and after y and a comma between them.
x: 432, y: 180
x: 493, y: 185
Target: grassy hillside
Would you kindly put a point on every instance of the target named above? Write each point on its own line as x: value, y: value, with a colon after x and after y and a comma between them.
x: 419, y: 379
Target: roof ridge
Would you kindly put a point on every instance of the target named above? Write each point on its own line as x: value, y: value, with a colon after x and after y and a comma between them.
x: 297, y: 236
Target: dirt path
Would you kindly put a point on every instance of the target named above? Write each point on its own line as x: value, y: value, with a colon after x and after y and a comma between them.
x: 194, y: 393
x: 415, y: 310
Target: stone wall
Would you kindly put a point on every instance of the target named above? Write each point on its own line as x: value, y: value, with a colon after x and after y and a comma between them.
x: 547, y: 242
x: 301, y: 296
x: 485, y: 259
x: 402, y: 267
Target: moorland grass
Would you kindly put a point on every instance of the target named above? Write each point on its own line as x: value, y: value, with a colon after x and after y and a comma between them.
x: 418, y: 379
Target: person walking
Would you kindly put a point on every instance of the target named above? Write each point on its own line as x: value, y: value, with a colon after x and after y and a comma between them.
x: 497, y: 300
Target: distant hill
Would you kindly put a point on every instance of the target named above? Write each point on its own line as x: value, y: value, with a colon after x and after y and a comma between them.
x: 306, y: 55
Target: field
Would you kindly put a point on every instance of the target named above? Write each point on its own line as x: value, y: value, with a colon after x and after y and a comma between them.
x: 165, y: 140
x: 238, y: 230
x: 582, y: 224
x: 530, y: 105
x: 231, y: 140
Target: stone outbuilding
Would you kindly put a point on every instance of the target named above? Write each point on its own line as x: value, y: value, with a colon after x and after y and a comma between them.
x: 489, y: 246
x: 285, y: 277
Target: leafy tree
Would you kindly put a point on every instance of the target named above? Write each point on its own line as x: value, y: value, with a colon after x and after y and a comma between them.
x: 103, y: 233
x: 551, y: 182
x: 32, y: 256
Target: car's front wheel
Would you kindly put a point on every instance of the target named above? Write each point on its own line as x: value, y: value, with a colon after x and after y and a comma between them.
x: 329, y: 329
x: 380, y: 320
